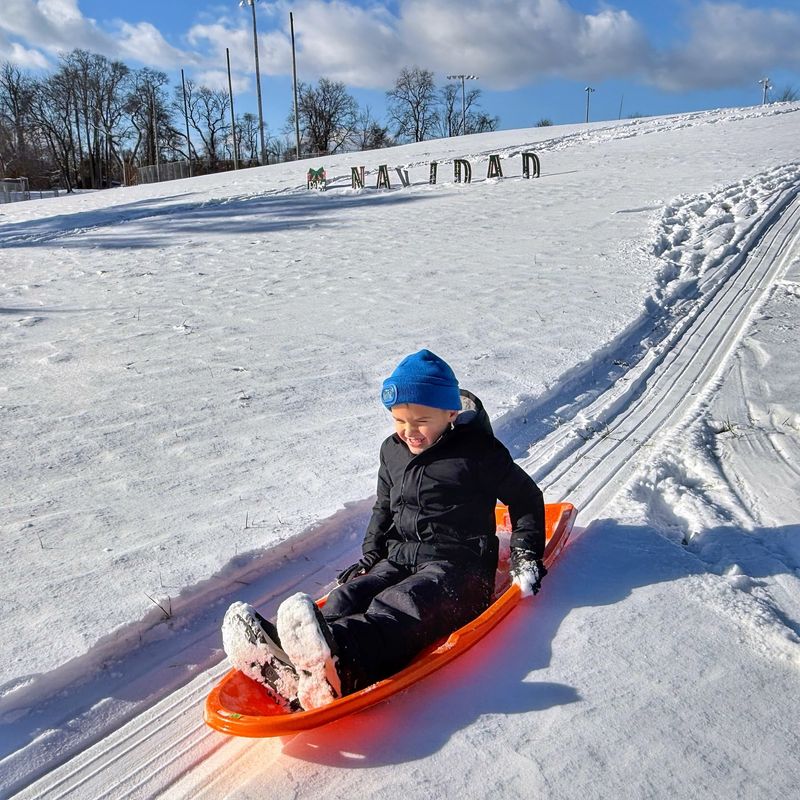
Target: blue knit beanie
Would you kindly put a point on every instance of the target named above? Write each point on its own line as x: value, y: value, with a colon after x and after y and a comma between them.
x: 425, y: 379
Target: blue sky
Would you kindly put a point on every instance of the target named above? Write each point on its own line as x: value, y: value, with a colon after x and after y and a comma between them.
x: 534, y: 57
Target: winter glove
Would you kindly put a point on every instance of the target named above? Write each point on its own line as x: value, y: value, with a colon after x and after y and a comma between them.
x: 361, y: 567
x: 527, y: 571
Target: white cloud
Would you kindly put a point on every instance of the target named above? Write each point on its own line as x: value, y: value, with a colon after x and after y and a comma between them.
x: 58, y: 26
x: 218, y: 79
x: 48, y: 24
x: 335, y: 39
x: 360, y: 46
x: 20, y: 55
x: 213, y: 38
x: 509, y: 43
x: 512, y: 43
x: 728, y: 44
x: 144, y: 43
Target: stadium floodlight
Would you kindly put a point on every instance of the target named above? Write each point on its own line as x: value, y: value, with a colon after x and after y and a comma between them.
x: 588, y: 91
x: 463, y: 78
x: 767, y: 86
x: 252, y: 4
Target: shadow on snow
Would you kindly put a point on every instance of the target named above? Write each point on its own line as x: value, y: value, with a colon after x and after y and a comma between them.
x: 262, y: 214
x: 601, y: 567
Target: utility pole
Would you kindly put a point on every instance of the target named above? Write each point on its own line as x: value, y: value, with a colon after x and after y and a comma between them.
x: 233, y: 117
x: 588, y: 91
x: 463, y: 78
x: 296, y: 105
x: 264, y: 158
x: 186, y: 118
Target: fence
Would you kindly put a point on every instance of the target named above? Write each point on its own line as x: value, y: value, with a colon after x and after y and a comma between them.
x: 14, y: 190
x: 168, y: 171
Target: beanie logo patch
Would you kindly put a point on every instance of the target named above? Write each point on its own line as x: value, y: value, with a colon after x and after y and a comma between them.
x: 389, y: 395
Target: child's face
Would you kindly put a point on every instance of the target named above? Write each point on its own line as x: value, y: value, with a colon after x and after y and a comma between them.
x: 420, y: 426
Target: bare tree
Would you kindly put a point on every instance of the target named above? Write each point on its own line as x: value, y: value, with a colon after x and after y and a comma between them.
x: 94, y: 116
x: 369, y: 133
x: 328, y: 115
x: 148, y: 111
x: 413, y: 104
x: 16, y: 98
x: 78, y: 73
x: 112, y: 77
x: 451, y: 113
x: 449, y: 120
x: 207, y: 110
x: 788, y: 95
x: 97, y: 88
x: 52, y: 111
x: 247, y: 137
x: 481, y: 122
x: 281, y: 148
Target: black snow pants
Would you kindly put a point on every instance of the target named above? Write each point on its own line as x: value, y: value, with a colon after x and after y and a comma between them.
x: 381, y: 620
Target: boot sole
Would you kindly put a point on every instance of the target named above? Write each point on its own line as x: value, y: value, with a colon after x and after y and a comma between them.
x: 301, y: 629
x: 263, y: 660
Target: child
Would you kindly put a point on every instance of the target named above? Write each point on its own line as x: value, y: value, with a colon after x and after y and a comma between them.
x: 429, y: 553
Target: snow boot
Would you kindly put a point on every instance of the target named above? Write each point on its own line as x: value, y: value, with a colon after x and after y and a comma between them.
x: 310, y: 645
x: 253, y: 647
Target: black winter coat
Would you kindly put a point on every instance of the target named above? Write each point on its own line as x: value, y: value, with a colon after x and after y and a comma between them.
x: 439, y: 505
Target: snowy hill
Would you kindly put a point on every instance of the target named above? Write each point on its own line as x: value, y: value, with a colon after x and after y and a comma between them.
x: 189, y: 415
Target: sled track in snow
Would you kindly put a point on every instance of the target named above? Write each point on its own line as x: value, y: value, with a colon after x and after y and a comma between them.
x: 156, y: 753
x: 140, y: 712
x: 662, y: 388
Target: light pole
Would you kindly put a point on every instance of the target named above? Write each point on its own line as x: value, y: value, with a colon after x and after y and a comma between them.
x: 463, y: 78
x: 155, y: 131
x: 294, y: 81
x: 186, y: 118
x: 588, y: 91
x: 233, y: 115
x: 252, y: 4
x: 767, y: 86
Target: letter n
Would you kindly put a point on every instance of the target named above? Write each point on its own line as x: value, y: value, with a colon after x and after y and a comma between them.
x: 357, y: 177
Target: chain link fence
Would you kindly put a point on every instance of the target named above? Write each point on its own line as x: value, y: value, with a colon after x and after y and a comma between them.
x: 168, y: 171
x: 14, y: 190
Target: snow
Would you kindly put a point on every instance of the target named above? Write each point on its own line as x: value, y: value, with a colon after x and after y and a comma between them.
x: 244, y: 640
x: 300, y: 628
x: 189, y: 415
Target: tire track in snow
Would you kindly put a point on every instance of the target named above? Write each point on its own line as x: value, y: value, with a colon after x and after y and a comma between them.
x: 156, y: 754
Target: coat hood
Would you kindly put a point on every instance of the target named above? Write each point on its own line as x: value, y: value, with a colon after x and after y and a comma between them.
x: 473, y: 413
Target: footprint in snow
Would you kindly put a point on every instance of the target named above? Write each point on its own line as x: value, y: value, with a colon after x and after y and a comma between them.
x: 29, y: 322
x: 57, y: 358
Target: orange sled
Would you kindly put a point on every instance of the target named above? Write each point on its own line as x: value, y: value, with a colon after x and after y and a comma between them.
x: 239, y: 706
